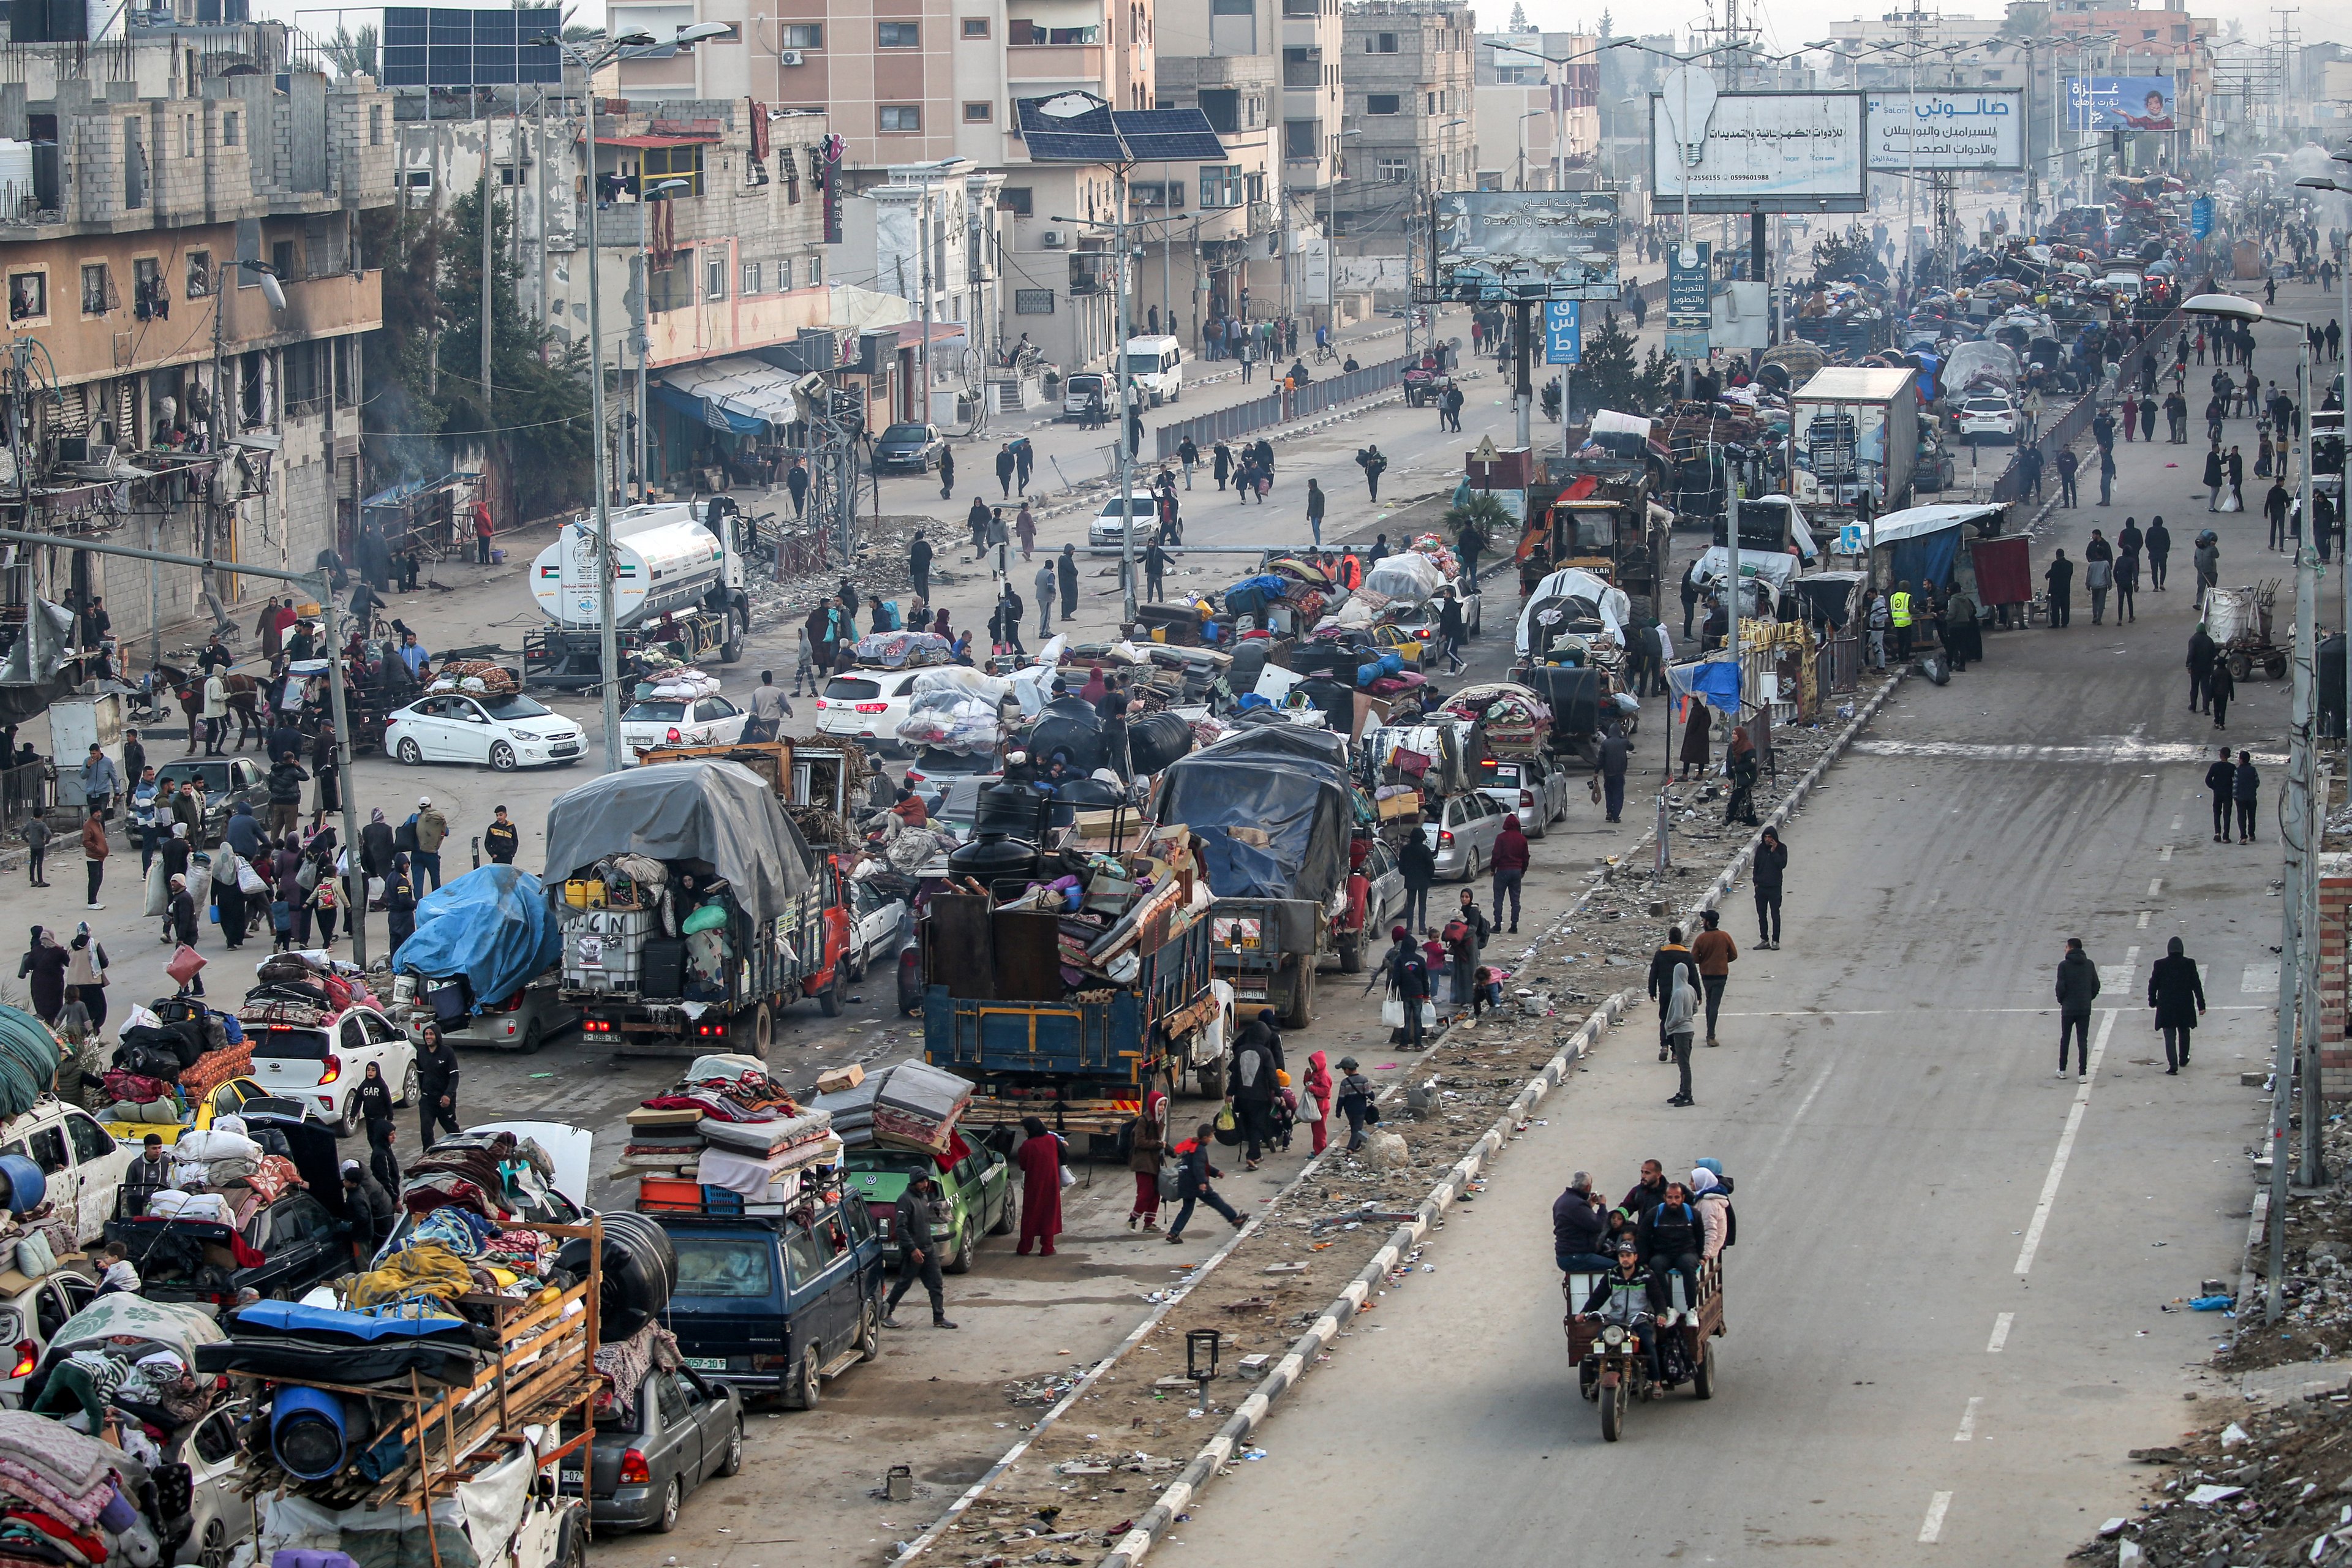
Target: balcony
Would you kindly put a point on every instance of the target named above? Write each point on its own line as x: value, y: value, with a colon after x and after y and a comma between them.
x: 1302, y: 73
x: 1053, y: 62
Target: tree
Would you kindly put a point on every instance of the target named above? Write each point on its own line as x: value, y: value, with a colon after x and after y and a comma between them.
x: 1484, y: 511
x: 1609, y: 376
x: 1518, y: 23
x: 353, y: 53
x: 1847, y: 255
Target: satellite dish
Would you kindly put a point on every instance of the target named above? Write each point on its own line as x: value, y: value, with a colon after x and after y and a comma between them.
x: 1070, y: 105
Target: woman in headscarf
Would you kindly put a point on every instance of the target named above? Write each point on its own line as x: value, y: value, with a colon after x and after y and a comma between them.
x: 1714, y: 1205
x: 1145, y: 1147
x: 1095, y: 686
x: 228, y: 898
x: 86, y: 975
x: 939, y: 625
x: 1740, y: 761
x: 44, y: 964
x: 1696, y: 750
x: 1314, y: 1099
x: 376, y: 846
x: 1040, y: 1159
x: 327, y: 777
x: 399, y: 903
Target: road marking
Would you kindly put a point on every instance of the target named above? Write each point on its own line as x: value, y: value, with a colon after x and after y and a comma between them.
x: 2175, y: 826
x: 2165, y: 853
x: 2122, y: 748
x: 2066, y: 1146
x: 2155, y: 886
x: 2123, y: 977
x: 1968, y: 1420
x: 1897, y: 1012
x: 1933, y: 1527
x: 2143, y: 918
x: 2000, y: 1333
x: 2261, y: 979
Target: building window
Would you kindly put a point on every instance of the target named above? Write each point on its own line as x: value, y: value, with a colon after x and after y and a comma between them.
x: 376, y: 124
x: 785, y: 275
x: 200, y: 274
x: 1221, y: 185
x: 1233, y: 7
x: 751, y: 278
x: 1016, y: 200
x: 229, y: 128
x: 1033, y: 301
x: 419, y: 179
x: 714, y: 278
x: 28, y: 295
x: 1433, y: 103
x: 979, y: 113
x: 673, y: 163
x: 1380, y: 43
x: 149, y: 299
x: 1255, y: 186
x: 1301, y: 138
x: 187, y: 136
x: 815, y: 271
x: 900, y: 117
x: 1393, y: 171
x: 97, y: 289
x: 1383, y: 103
x: 281, y: 261
x: 899, y: 35
x: 1020, y: 32
x: 975, y: 26
x: 804, y: 35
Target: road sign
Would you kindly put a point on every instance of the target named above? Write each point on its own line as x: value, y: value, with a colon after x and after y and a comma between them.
x: 1850, y: 538
x: 1688, y: 308
x: 2201, y: 217
x: 1564, y: 331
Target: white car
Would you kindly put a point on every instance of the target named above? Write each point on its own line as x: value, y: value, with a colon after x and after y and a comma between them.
x: 866, y: 704
x: 82, y: 1164
x: 319, y: 1068
x: 875, y: 923
x: 502, y: 733
x: 665, y: 722
x: 1108, y: 531
x: 1988, y: 417
x: 1529, y: 786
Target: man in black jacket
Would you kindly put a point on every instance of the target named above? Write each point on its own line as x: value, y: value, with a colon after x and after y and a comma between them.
x: 436, y: 1088
x: 1771, y: 860
x: 1646, y: 1193
x: 371, y: 1210
x: 1579, y: 1228
x: 1255, y: 1059
x: 2078, y: 987
x: 1417, y: 862
x: 918, y: 1253
x: 1672, y: 1238
x: 500, y: 840
x: 2222, y: 783
x: 1661, y: 980
x: 285, y: 782
x: 2178, y: 994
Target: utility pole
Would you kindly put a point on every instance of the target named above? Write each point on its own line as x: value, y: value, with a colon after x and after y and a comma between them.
x: 1124, y: 383
x: 489, y: 132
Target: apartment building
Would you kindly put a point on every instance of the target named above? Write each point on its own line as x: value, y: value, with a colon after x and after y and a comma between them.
x: 1538, y: 100
x: 932, y: 235
x: 1216, y: 231
x: 1407, y: 76
x: 150, y: 178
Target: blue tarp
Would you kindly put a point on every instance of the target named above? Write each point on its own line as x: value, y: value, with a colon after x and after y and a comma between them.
x: 492, y: 926
x: 1714, y: 682
x: 701, y: 412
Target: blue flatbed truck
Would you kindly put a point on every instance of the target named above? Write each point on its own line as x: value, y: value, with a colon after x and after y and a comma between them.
x: 998, y: 1012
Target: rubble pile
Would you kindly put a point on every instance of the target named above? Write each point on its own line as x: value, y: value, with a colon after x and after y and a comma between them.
x: 2272, y: 1486
x: 880, y: 567
x: 2317, y: 1323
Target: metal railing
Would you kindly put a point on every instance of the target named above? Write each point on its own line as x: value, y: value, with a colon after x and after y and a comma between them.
x: 1264, y: 413
x: 2061, y: 432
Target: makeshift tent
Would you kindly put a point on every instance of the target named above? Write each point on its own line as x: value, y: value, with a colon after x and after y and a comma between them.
x: 2004, y: 570
x: 1714, y: 682
x: 1922, y: 543
x: 1589, y: 594
x: 720, y: 812
x: 493, y: 926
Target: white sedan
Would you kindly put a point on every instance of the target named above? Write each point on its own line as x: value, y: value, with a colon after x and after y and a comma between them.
x: 704, y: 722
x: 1988, y: 419
x: 501, y: 732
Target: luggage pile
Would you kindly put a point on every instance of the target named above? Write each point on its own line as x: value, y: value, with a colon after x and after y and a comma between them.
x: 478, y: 676
x: 726, y: 1138
x: 904, y: 650
x: 162, y: 1067
x: 75, y: 1502
x: 912, y: 1105
x: 679, y: 683
x: 956, y: 709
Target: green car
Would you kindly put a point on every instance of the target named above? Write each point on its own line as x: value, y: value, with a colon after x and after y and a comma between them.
x: 978, y: 1189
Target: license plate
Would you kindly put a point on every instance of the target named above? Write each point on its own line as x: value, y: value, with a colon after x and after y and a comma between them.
x: 707, y: 1363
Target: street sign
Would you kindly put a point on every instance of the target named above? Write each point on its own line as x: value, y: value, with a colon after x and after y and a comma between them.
x: 1688, y: 308
x: 1850, y: 538
x: 2201, y: 217
x: 1564, y: 331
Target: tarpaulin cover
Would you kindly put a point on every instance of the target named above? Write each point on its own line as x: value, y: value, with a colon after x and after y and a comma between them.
x: 718, y: 812
x: 177, y: 1326
x: 1715, y: 681
x: 1929, y: 558
x: 1411, y: 577
x: 1272, y: 808
x: 492, y: 925
x: 2004, y: 570
x: 1612, y: 605
x: 1573, y: 695
x: 1831, y: 596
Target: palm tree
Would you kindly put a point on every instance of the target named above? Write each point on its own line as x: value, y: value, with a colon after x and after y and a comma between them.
x: 353, y: 53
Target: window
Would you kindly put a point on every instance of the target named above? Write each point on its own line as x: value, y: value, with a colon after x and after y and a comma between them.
x: 898, y: 36
x: 804, y: 35
x: 49, y: 1149
x: 28, y: 295
x: 1221, y: 185
x: 900, y: 117
x: 725, y: 1267
x: 229, y: 127
x: 785, y: 275
x: 975, y: 26
x: 1024, y: 33
x: 187, y: 136
x: 89, y: 1140
x: 376, y: 124
x: 97, y: 289
x: 1233, y: 7
x: 419, y: 179
x: 803, y: 1258
x: 674, y: 163
x: 281, y: 261
x: 816, y: 270
x: 751, y: 278
x: 1222, y: 105
x: 1383, y: 104
x: 1433, y: 103
x: 714, y: 278
x: 149, y: 298
x: 1016, y: 200
x: 1380, y: 43
x: 979, y: 113
x: 1393, y: 171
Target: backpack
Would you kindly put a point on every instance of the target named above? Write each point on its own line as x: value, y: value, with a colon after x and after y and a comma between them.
x: 1127, y: 1137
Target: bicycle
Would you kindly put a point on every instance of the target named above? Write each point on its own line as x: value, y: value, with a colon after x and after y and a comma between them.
x: 1326, y: 354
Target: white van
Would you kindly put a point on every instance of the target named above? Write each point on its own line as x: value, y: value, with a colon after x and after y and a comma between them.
x: 1157, y: 366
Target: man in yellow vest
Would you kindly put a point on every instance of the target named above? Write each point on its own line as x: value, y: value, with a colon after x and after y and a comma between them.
x: 1898, y: 609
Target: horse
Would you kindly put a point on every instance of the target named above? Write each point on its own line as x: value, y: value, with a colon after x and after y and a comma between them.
x: 243, y: 703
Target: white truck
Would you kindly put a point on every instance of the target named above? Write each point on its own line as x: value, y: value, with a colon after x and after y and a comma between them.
x: 678, y: 586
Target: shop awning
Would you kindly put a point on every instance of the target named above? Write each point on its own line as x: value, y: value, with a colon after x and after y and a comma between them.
x: 745, y: 390
x: 712, y: 415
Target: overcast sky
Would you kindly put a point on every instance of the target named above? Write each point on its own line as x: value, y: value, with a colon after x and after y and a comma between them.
x: 1787, y: 24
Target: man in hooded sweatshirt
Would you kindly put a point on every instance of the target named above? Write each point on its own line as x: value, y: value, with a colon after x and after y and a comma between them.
x: 2222, y: 783
x: 1679, y: 1018
x: 1256, y: 1057
x: 2178, y: 994
x: 2078, y: 987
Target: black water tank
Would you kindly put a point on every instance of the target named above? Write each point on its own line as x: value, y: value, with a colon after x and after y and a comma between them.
x: 640, y: 1272
x: 988, y: 859
x: 1009, y: 809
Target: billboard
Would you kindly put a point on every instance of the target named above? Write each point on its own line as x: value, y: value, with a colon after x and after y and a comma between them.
x: 2120, y: 103
x: 1946, y: 130
x: 1564, y: 331
x: 1559, y: 245
x: 1759, y: 151
x: 1689, y: 312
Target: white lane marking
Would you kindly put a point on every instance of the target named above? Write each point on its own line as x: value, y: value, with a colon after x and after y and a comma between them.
x: 2175, y: 826
x: 2000, y: 1333
x: 2155, y: 886
x: 1933, y: 1527
x: 1788, y: 1131
x: 2261, y: 979
x: 2163, y: 854
x: 1968, y: 1420
x: 2143, y: 914
x: 2065, y: 1145
x: 1896, y: 1012
x: 2118, y: 750
x: 2123, y: 977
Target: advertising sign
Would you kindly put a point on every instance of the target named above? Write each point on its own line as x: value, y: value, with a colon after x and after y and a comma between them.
x: 1564, y: 331
x: 1688, y: 312
x: 1559, y: 245
x: 1948, y: 130
x: 2120, y: 103
x: 1758, y: 152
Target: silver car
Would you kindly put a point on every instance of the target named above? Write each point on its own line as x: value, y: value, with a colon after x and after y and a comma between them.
x: 1463, y: 832
x: 1529, y: 786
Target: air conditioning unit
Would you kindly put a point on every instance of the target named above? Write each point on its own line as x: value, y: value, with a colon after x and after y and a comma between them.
x: 788, y: 56
x: 1051, y: 239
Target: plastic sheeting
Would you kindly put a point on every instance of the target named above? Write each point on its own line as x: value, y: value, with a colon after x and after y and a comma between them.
x: 492, y: 925
x: 719, y: 812
x: 1573, y: 583
x: 1410, y: 577
x: 1273, y: 808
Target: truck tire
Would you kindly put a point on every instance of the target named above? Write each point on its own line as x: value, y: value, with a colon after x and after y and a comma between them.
x: 755, y: 1031
x: 739, y: 627
x: 1352, y: 953
x: 829, y: 999
x: 1212, y: 1076
x: 1300, y: 1010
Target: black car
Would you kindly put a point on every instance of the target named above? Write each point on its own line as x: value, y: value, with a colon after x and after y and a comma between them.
x: 226, y: 781
x: 909, y: 449
x: 680, y: 1430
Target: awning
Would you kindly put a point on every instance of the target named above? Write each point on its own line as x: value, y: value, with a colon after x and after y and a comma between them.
x: 652, y: 141
x: 1918, y: 521
x: 739, y: 387
x: 708, y: 414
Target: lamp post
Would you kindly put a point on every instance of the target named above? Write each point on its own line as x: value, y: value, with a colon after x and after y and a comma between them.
x: 1331, y: 243
x: 646, y: 194
x: 608, y: 645
x: 2298, y: 979
x: 1530, y: 114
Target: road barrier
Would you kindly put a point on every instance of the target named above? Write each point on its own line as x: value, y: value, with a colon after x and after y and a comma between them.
x: 1264, y: 413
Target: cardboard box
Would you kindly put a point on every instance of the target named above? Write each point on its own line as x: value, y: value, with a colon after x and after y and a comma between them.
x: 834, y: 1081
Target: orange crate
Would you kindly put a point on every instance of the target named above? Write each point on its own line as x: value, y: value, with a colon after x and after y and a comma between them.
x: 669, y: 1194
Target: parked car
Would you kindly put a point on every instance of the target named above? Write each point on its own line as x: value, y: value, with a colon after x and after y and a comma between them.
x: 226, y: 781
x: 501, y: 732
x: 866, y: 704
x: 1534, y: 786
x: 83, y: 1165
x: 1082, y: 390
x: 1463, y: 831
x: 223, y: 1513
x: 875, y: 919
x: 977, y: 1189
x: 1111, y: 525
x: 1987, y: 417
x: 909, y: 449
x: 680, y: 1429
x: 934, y: 770
x: 705, y: 721
x: 523, y: 1022
x: 30, y: 1317
x: 1385, y: 877
x: 322, y: 1067
x: 776, y: 1305
x: 295, y: 1240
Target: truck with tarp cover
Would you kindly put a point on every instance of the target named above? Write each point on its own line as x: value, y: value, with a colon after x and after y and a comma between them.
x: 1271, y: 809
x: 481, y: 965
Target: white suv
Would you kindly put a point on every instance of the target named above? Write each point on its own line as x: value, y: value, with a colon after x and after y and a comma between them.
x: 319, y: 1066
x: 866, y: 705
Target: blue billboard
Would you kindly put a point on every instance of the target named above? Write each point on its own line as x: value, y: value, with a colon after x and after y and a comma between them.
x: 1564, y: 331
x: 2120, y: 103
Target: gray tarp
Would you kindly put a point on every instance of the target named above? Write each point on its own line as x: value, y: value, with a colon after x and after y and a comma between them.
x: 718, y: 812
x: 1272, y: 808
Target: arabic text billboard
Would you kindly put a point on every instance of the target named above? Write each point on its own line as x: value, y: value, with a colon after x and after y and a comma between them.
x: 1963, y: 128
x: 2120, y: 103
x: 1561, y: 244
x: 1762, y: 151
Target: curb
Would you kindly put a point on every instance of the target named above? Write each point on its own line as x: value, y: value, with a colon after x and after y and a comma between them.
x: 2250, y: 1276
x: 1232, y: 1437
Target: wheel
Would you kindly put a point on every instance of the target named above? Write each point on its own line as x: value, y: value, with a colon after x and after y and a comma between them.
x: 733, y: 1464
x: 1613, y: 1411
x: 1010, y: 1214
x: 731, y: 650
x: 531, y: 1039
x: 2276, y: 666
x: 214, y: 1552
x: 1212, y: 1079
x: 809, y: 1388
x: 1472, y: 874
x: 855, y: 959
x: 1301, y: 1010
x: 408, y: 754
x: 869, y: 1336
x: 408, y: 1087
x: 502, y: 758
x: 755, y: 1032
x: 1352, y: 953
x: 350, y: 1124
x: 2241, y: 666
x: 829, y: 999
x: 961, y: 1262
x: 1702, y: 1376
x: 673, y: 1498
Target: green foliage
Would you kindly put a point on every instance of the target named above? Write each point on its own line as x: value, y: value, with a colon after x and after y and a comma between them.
x: 1484, y: 511
x: 1611, y: 376
x: 353, y: 53
x: 1847, y: 255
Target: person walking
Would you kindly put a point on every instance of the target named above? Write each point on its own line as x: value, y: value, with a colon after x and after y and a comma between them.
x: 101, y: 783
x: 2078, y: 986
x: 94, y: 850
x: 1417, y: 862
x: 2060, y: 576
x: 1004, y: 466
x: 1690, y: 591
x: 287, y: 777
x: 432, y: 831
x: 2221, y: 784
x: 947, y: 474
x: 1698, y: 725
x: 2275, y: 504
x: 437, y: 1072
x: 376, y: 1109
x: 1611, y: 758
x: 2208, y: 562
x: 1739, y: 761
x: 1510, y: 862
x: 1315, y: 1100
x: 1769, y: 864
x: 1374, y: 465
x: 1664, y: 965
x: 1040, y: 1159
x: 1222, y: 464
x: 1898, y: 614
x: 2126, y: 585
x: 1193, y: 1173
x: 918, y: 572
x: 1258, y: 1057
x: 2178, y: 993
x: 2098, y: 574
x: 1048, y: 580
x: 2244, y: 793
x: 1315, y: 511
x: 1715, y: 952
x: 919, y: 1216
x: 1678, y: 1021
x: 2219, y: 686
x: 1407, y: 975
x: 2068, y: 464
x: 2214, y: 477
x: 1147, y: 1144
x: 1066, y: 567
x: 2159, y: 551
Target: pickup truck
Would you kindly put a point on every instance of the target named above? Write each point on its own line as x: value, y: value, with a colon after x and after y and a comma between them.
x: 778, y: 1305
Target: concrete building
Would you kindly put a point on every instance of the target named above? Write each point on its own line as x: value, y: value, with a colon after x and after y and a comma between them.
x: 932, y: 235
x: 165, y: 403
x: 1407, y: 72
x: 1538, y: 100
x: 1224, y: 57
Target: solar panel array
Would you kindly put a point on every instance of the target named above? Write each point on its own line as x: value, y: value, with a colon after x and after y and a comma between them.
x: 447, y: 48
x: 1101, y: 134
